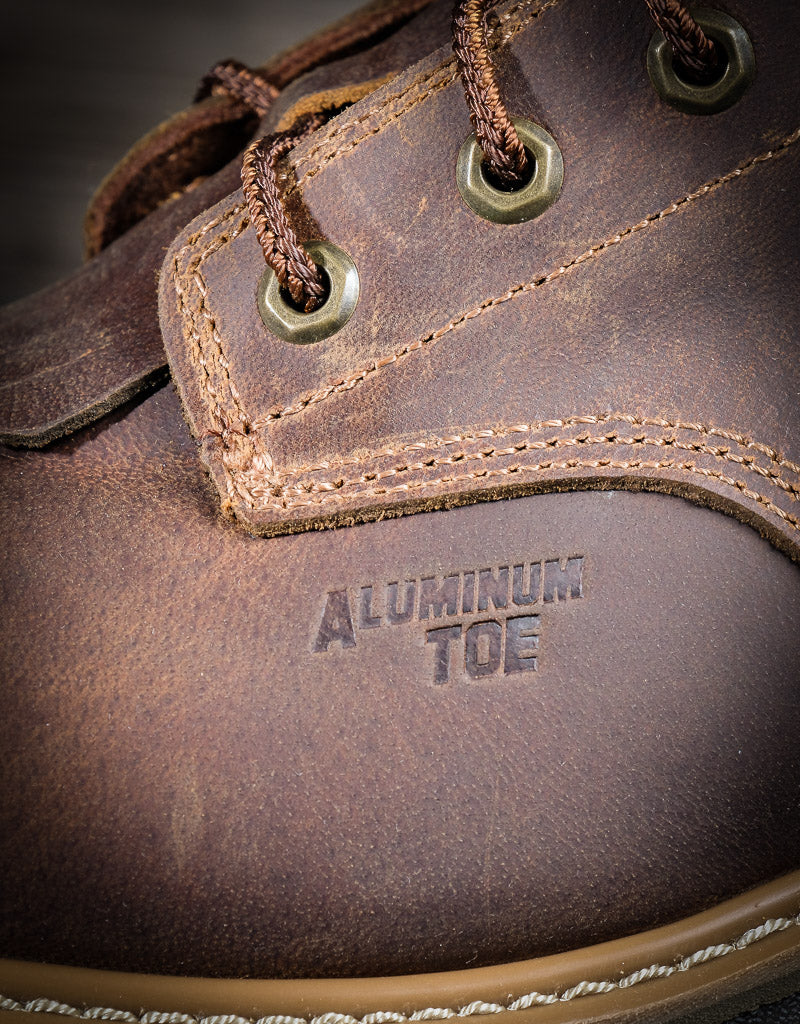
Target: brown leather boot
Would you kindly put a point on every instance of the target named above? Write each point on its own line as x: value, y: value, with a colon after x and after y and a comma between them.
x: 434, y: 650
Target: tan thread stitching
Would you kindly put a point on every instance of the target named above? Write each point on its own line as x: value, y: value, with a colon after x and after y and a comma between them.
x: 500, y: 40
x: 228, y: 236
x: 193, y: 275
x: 437, y: 79
x: 555, y: 443
x: 521, y: 468
x: 206, y: 384
x: 261, y: 462
x: 477, y: 1008
x: 498, y: 433
x: 354, y: 379
x: 359, y: 376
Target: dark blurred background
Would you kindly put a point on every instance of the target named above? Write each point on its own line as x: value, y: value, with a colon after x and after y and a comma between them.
x: 82, y: 80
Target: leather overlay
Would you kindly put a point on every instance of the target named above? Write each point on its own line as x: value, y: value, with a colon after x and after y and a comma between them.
x: 74, y: 352
x: 488, y: 360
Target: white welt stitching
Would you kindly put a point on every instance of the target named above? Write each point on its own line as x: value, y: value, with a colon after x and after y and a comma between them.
x: 474, y: 1009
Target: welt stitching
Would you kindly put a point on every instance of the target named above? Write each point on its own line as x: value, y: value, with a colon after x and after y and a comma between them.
x: 477, y: 1008
x: 459, y: 457
x: 490, y: 433
x: 593, y: 252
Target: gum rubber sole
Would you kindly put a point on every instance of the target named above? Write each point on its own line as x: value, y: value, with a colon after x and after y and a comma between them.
x: 703, y: 969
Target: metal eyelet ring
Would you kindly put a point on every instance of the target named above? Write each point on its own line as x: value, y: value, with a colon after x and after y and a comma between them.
x: 689, y: 97
x: 522, y: 204
x: 290, y: 324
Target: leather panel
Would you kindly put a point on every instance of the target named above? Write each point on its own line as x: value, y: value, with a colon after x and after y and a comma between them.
x: 585, y: 317
x: 74, y: 352
x: 205, y: 772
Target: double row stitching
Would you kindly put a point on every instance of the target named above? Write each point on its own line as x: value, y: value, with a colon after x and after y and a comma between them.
x: 354, y: 379
x: 498, y: 433
x: 457, y: 458
x: 338, y: 129
x: 434, y: 80
x: 518, y: 469
x: 255, y: 457
x: 213, y: 398
x: 477, y: 1008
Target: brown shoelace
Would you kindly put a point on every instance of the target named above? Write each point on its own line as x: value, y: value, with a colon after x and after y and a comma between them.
x: 234, y: 79
x: 296, y: 272
x: 694, y: 53
x: 508, y: 164
x: 505, y: 155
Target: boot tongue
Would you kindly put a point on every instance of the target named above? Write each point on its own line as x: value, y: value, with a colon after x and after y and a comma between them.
x: 196, y: 142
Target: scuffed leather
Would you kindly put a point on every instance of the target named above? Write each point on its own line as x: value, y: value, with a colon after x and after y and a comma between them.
x: 599, y: 311
x: 188, y: 787
x: 204, y: 773
x: 75, y: 351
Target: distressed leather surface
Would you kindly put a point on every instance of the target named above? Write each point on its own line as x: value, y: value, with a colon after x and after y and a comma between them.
x: 189, y: 787
x: 330, y: 753
x: 643, y: 330
x: 75, y: 351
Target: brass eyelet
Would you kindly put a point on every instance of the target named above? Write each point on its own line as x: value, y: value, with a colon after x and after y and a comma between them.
x: 299, y: 328
x: 691, y: 98
x: 522, y: 204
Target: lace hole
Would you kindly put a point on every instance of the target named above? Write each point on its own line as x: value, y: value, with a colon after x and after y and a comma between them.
x: 704, y: 81
x: 283, y: 319
x: 326, y: 281
x: 733, y: 76
x: 494, y: 182
x: 512, y: 206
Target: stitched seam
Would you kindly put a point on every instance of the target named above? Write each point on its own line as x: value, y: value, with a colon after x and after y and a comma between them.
x: 263, y: 458
x: 522, y: 468
x: 354, y: 379
x: 457, y: 458
x: 499, y: 41
x: 445, y: 72
x: 429, y: 340
x: 193, y: 274
x: 747, y: 461
x: 477, y: 1008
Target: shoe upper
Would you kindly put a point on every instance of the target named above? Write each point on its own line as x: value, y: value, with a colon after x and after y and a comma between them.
x: 465, y: 635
